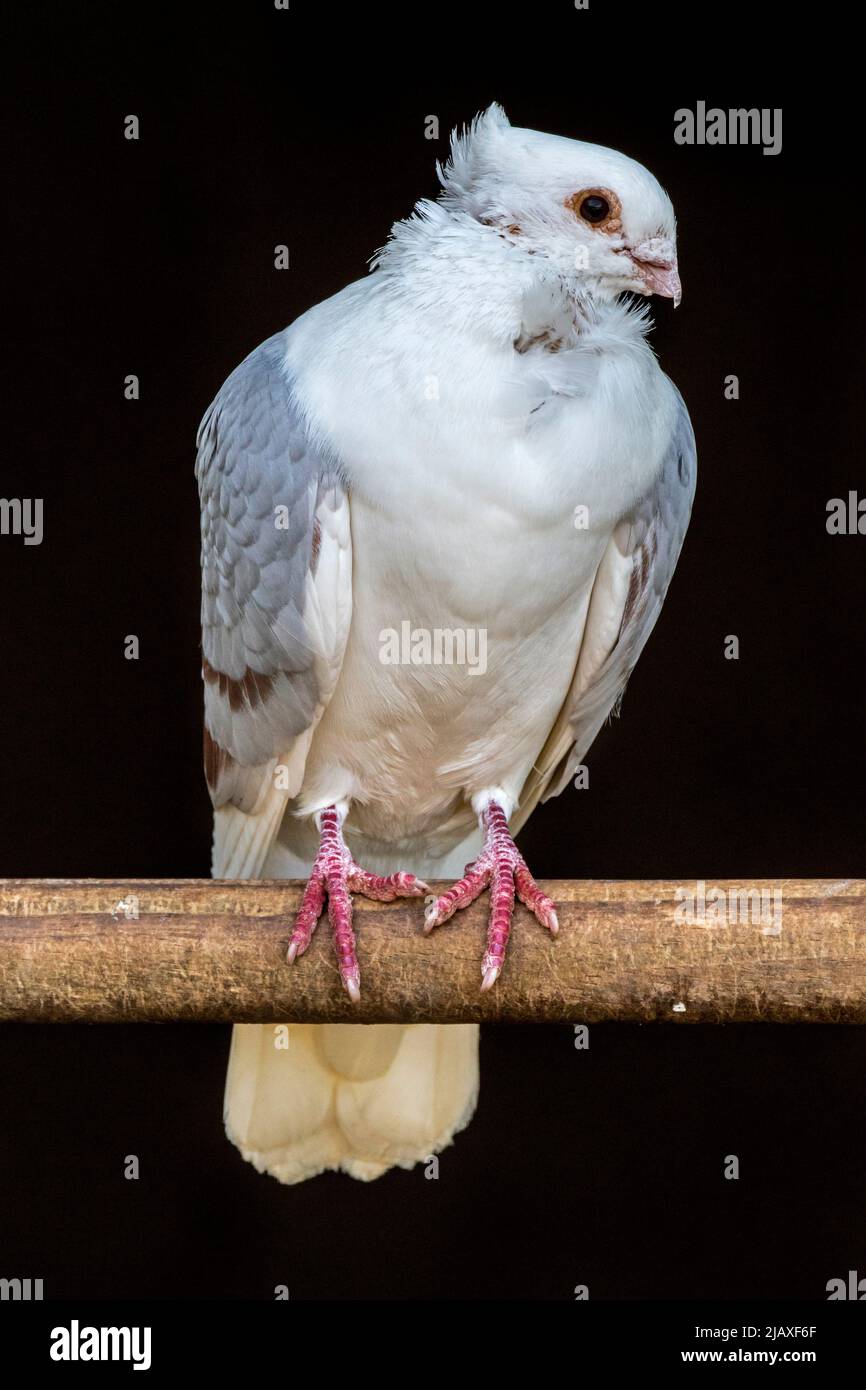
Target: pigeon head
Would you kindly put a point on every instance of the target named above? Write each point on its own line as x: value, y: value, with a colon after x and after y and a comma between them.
x: 600, y: 218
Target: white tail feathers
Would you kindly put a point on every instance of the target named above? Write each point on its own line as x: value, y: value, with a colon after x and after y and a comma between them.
x: 303, y: 1098
x: 358, y: 1098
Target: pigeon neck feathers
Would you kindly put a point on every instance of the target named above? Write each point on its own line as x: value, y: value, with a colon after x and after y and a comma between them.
x: 465, y: 274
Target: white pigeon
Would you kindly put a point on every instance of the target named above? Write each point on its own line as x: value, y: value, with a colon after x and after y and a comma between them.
x: 473, y: 445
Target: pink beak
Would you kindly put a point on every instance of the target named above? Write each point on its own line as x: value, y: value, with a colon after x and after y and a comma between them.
x: 656, y: 264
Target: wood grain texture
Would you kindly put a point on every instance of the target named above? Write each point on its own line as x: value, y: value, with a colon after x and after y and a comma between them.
x: 72, y: 951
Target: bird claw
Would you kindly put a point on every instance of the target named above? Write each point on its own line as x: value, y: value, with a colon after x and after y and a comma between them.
x: 336, y: 876
x: 501, y: 865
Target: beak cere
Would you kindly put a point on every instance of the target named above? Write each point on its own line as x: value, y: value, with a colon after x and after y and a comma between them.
x: 656, y: 264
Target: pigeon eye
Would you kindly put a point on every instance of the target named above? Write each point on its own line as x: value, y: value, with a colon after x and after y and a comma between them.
x: 594, y: 208
x: 600, y: 207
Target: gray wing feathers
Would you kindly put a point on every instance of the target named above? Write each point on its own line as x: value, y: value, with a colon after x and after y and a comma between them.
x: 263, y: 489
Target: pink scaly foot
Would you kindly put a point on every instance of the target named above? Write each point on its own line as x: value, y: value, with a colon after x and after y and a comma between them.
x: 335, y: 875
x: 500, y: 864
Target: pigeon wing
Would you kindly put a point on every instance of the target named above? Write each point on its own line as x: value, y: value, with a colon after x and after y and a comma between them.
x: 276, y: 589
x: 627, y: 596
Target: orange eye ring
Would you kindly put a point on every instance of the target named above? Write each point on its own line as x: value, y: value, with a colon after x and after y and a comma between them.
x: 598, y: 208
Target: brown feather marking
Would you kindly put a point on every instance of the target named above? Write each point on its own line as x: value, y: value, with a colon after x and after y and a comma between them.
x: 637, y: 584
x: 644, y: 566
x: 252, y: 689
x: 631, y: 597
x: 217, y: 759
x: 544, y: 339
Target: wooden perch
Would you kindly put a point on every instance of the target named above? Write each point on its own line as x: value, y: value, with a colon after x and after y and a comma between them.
x: 105, y: 951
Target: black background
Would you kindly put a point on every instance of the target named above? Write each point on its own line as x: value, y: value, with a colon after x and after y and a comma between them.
x: 156, y: 258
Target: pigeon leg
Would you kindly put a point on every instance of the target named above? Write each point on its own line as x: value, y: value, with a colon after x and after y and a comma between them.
x: 501, y: 866
x: 336, y: 876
